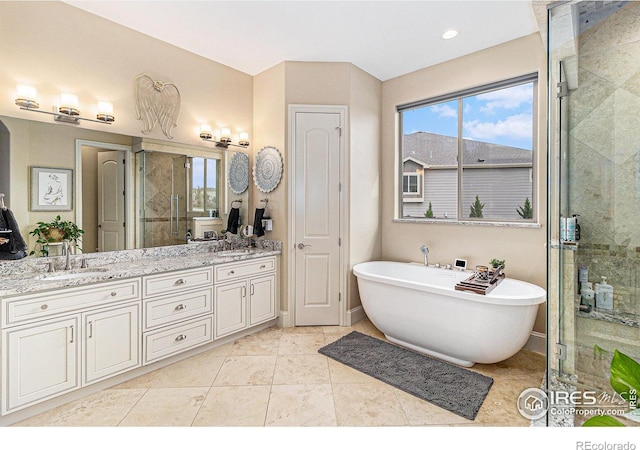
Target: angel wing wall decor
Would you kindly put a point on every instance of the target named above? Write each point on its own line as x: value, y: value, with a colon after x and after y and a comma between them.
x: 157, y: 102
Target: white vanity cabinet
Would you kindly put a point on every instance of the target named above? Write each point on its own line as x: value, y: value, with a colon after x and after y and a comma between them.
x: 59, y: 340
x: 245, y: 295
x: 55, y: 342
x: 178, y: 312
x: 39, y: 362
x: 111, y: 342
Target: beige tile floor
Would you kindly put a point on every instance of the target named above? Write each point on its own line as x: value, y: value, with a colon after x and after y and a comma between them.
x: 277, y: 378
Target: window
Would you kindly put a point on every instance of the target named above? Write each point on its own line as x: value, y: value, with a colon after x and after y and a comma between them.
x: 203, y: 189
x: 468, y: 156
x: 410, y: 184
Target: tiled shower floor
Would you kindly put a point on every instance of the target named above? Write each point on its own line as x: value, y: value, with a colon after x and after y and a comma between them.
x: 276, y: 378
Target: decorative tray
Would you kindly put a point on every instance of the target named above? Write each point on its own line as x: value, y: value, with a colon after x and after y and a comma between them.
x: 480, y: 286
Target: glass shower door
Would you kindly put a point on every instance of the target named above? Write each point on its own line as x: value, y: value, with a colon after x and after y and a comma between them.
x: 161, y: 193
x: 179, y: 222
x: 594, y: 172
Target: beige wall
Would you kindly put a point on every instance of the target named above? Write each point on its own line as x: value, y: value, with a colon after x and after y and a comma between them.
x: 67, y: 49
x: 363, y: 184
x: 310, y: 83
x: 522, y: 248
x: 269, y: 125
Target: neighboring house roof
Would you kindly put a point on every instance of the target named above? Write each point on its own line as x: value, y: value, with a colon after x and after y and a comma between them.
x: 438, y: 150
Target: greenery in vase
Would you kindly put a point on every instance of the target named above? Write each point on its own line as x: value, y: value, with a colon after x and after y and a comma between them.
x: 495, y: 263
x: 55, y: 231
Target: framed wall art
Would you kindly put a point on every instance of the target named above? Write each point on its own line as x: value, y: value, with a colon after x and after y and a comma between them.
x: 51, y: 189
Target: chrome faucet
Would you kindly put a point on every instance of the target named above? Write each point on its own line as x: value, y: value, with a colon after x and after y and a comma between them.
x: 425, y: 251
x: 67, y: 251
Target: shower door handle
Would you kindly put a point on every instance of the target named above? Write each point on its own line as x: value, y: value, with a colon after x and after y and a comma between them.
x: 171, y: 215
x: 177, y: 214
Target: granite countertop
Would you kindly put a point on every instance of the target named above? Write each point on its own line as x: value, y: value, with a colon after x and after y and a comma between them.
x: 31, y: 276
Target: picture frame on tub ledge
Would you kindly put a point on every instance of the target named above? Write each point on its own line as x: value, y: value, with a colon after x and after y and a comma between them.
x: 51, y: 189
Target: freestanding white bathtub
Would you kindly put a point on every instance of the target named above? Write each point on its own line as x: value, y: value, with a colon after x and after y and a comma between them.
x: 418, y: 307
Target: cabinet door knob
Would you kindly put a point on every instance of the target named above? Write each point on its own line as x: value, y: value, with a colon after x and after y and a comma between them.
x: 182, y: 337
x: 264, y: 266
x: 232, y: 272
x: 43, y: 307
x: 181, y: 281
x: 114, y: 293
x: 180, y: 307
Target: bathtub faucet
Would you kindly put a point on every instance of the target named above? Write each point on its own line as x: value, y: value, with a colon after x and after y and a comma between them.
x: 425, y: 251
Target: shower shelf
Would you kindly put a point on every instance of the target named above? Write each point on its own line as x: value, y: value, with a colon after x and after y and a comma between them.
x: 630, y: 320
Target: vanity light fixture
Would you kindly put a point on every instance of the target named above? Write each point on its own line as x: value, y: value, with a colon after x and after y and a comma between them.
x: 67, y: 112
x: 105, y: 112
x: 224, y: 139
x: 27, y: 97
x: 225, y: 135
x: 243, y: 139
x: 205, y: 132
x: 69, y: 104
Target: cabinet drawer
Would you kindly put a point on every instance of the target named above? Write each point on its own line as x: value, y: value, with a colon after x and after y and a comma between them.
x: 163, y: 311
x: 42, y: 305
x: 166, y: 342
x: 233, y: 271
x: 177, y: 281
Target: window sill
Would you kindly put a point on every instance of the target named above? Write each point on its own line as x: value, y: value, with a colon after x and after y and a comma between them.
x: 470, y: 223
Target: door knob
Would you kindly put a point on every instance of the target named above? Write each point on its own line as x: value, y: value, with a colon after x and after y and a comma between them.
x: 302, y: 246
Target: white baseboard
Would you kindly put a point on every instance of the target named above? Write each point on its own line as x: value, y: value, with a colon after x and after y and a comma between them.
x: 537, y: 343
x: 355, y: 315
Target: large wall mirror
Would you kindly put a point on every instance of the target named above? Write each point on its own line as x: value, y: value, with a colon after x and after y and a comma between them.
x: 128, y: 192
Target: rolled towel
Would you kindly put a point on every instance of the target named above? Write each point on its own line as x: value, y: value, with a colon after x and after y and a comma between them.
x: 258, y: 229
x: 232, y: 221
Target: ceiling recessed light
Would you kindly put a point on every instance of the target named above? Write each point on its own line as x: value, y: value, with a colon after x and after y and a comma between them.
x: 449, y: 34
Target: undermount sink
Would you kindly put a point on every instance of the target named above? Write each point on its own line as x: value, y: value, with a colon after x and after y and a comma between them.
x: 72, y: 275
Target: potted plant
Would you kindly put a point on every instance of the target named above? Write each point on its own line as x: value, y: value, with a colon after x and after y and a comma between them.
x: 55, y: 231
x: 495, y: 263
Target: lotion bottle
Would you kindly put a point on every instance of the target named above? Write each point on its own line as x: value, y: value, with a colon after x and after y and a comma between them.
x: 604, y: 295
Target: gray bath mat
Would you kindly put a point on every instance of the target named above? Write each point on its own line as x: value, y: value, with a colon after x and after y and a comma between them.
x: 458, y: 390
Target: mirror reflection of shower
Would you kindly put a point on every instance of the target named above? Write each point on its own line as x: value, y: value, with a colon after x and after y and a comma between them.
x: 172, y: 190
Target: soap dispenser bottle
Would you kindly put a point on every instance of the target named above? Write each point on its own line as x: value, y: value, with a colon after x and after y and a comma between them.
x: 577, y: 227
x: 604, y: 295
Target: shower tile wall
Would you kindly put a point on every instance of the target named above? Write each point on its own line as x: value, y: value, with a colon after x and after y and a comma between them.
x: 157, y: 208
x: 604, y: 180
